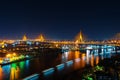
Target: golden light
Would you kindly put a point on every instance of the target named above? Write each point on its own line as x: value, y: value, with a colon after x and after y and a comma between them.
x: 1, y: 61
x: 76, y: 41
x: 40, y: 38
x: 8, y: 55
x: 2, y: 43
x: 14, y: 54
x: 79, y: 37
x: 56, y: 45
x: 24, y: 38
x: 3, y: 46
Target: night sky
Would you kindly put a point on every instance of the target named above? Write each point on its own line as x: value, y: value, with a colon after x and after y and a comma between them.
x: 59, y: 20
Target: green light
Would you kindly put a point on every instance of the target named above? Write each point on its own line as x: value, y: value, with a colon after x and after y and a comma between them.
x: 89, y: 78
x: 14, y: 65
x: 21, y: 56
x: 22, y: 63
x: 99, y: 68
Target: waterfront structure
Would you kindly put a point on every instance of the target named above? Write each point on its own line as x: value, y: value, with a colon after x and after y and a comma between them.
x: 42, y: 42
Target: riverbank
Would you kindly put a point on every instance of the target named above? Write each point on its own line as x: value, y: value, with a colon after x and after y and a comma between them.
x: 14, y: 61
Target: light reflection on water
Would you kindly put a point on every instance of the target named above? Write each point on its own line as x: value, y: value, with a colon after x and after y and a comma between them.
x: 65, y: 57
x: 92, y: 60
x: 1, y: 73
x: 78, y: 61
x: 77, y: 54
x: 6, y: 71
x: 13, y: 71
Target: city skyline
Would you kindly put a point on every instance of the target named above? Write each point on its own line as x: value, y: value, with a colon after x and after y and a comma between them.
x: 59, y: 20
x: 59, y: 40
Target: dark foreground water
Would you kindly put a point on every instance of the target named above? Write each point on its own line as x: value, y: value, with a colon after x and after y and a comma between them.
x: 61, y: 65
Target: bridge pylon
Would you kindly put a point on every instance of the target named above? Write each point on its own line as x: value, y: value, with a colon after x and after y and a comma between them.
x: 40, y: 38
x: 79, y: 38
x: 24, y: 38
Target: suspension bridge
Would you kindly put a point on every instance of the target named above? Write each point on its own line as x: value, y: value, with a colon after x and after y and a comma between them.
x: 79, y: 40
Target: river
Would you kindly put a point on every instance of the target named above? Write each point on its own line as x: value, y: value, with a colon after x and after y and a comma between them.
x: 61, y: 63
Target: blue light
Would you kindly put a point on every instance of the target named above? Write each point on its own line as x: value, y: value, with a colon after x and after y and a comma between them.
x: 6, y: 69
x: 48, y: 71
x: 32, y: 77
x: 29, y: 43
x: 69, y: 63
x: 27, y: 56
x: 60, y: 66
x: 13, y: 45
x: 27, y: 63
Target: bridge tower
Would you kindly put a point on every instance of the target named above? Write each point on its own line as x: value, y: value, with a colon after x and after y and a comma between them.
x: 24, y: 38
x: 79, y: 37
x: 40, y: 38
